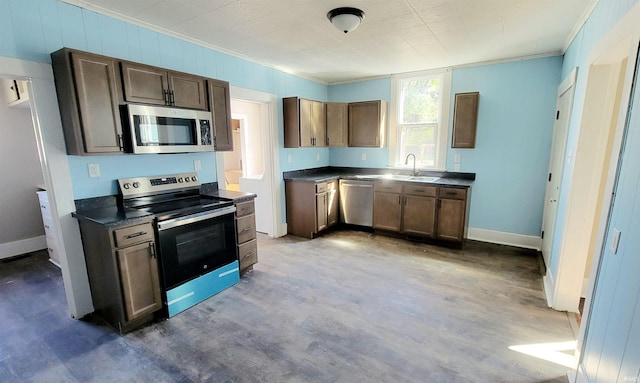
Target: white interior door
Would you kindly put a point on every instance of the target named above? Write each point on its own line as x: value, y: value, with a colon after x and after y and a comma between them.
x: 564, y: 104
x: 259, y: 140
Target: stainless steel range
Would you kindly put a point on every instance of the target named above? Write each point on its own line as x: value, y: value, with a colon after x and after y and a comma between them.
x: 195, y: 236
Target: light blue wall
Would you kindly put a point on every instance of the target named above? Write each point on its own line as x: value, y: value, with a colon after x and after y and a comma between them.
x: 612, y: 345
x: 32, y: 29
x: 379, y: 89
x: 513, y: 142
x: 515, y: 123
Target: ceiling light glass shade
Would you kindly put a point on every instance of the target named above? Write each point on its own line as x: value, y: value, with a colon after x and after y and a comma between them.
x: 345, y: 19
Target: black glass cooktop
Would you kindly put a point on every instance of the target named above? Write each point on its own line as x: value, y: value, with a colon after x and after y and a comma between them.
x: 181, y: 207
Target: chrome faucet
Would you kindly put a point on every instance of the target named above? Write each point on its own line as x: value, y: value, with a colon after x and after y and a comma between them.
x: 406, y: 162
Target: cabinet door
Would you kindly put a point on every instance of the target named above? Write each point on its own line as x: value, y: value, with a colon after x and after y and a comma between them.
x: 367, y: 121
x: 336, y: 121
x: 139, y: 277
x: 318, y: 119
x: 451, y: 217
x: 419, y: 215
x: 187, y: 91
x: 145, y: 84
x: 332, y: 203
x: 321, y: 211
x: 386, y: 211
x: 97, y: 94
x: 306, y: 123
x: 220, y: 102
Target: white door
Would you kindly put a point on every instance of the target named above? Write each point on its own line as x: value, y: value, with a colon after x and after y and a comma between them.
x: 257, y: 112
x: 556, y: 163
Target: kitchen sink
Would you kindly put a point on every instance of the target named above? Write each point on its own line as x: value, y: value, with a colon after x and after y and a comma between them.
x: 423, y: 179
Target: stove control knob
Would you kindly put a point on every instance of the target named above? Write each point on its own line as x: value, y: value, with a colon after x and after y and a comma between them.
x: 136, y: 185
x: 126, y: 185
x: 194, y: 178
x: 180, y: 180
x: 186, y: 179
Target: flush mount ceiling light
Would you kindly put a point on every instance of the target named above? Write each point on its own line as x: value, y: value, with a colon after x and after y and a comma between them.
x: 345, y: 19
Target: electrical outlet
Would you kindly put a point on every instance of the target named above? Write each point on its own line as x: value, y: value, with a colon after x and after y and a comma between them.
x: 318, y: 157
x: 456, y: 158
x: 289, y: 158
x: 364, y: 156
x: 94, y: 170
x: 197, y: 165
x: 456, y: 167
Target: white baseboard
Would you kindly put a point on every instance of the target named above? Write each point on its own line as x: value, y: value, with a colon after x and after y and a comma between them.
x: 549, y: 288
x: 11, y: 249
x: 504, y: 238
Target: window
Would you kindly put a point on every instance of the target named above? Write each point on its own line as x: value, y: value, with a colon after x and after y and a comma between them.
x: 419, y: 124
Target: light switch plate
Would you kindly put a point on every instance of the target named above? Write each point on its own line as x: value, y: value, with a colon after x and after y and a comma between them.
x: 94, y: 170
x: 197, y: 165
x: 364, y: 156
x: 615, y: 241
x: 456, y: 158
x: 289, y: 158
x: 318, y: 157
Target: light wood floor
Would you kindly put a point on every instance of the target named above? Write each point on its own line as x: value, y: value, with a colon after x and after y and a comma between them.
x: 346, y: 307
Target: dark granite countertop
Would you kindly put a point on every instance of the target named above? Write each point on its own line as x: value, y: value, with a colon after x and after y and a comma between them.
x: 112, y: 216
x: 230, y: 195
x: 368, y: 174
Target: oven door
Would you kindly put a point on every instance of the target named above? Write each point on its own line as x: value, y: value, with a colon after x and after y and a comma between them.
x: 194, y: 245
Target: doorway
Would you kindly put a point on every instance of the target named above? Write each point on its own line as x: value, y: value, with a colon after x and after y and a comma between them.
x: 608, y: 84
x: 253, y: 164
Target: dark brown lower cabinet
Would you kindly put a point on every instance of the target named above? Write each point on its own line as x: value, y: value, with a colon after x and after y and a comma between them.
x: 122, y: 266
x: 246, y: 235
x: 419, y: 216
x: 452, y: 208
x: 311, y: 207
x: 387, y: 206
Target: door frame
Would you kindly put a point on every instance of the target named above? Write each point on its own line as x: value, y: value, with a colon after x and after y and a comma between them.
x: 622, y: 40
x: 272, y: 152
x: 557, y: 154
x: 52, y: 150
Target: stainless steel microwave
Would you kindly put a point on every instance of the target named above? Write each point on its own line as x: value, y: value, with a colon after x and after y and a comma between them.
x: 156, y: 129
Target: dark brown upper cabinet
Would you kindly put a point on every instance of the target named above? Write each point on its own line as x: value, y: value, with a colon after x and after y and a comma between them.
x: 337, y: 119
x: 367, y: 123
x: 88, y: 92
x: 220, y: 102
x: 465, y: 120
x: 304, y: 123
x: 151, y: 85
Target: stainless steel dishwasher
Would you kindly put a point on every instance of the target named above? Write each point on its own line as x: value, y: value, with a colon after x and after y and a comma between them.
x: 356, y: 202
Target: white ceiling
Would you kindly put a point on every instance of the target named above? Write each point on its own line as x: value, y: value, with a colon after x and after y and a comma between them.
x: 396, y: 36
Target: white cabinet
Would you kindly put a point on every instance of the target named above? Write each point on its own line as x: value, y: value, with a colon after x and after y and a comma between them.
x: 52, y: 240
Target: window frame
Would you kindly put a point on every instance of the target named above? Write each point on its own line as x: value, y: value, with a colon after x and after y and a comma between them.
x: 442, y: 126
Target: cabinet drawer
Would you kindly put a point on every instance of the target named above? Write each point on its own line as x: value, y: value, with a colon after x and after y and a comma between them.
x: 453, y: 193
x: 245, y: 208
x: 426, y: 191
x: 48, y: 226
x: 133, y: 234
x: 248, y: 254
x: 246, y: 227
x: 321, y: 188
x: 389, y: 187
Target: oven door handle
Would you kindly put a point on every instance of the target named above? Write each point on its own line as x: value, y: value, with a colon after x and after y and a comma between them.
x: 175, y: 222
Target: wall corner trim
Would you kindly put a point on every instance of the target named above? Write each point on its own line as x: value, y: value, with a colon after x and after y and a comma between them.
x: 549, y: 287
x: 504, y: 238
